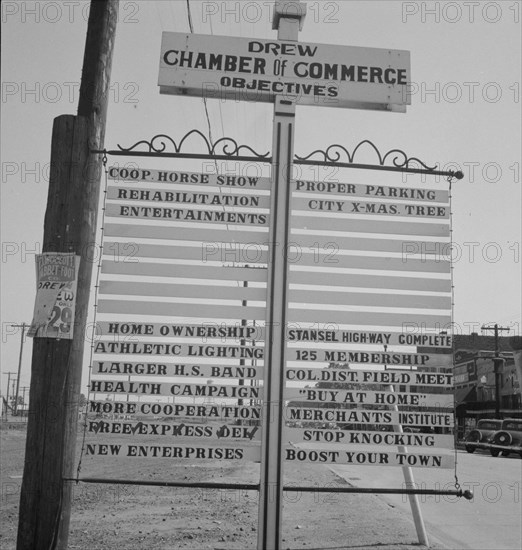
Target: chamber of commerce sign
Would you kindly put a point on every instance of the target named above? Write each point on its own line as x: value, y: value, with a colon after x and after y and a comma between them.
x: 309, y: 74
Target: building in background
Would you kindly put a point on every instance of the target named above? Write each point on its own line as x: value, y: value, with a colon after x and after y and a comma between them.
x: 474, y: 379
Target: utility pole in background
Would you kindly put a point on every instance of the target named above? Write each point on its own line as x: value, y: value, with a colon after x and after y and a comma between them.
x: 22, y: 340
x: 69, y: 227
x: 7, y: 394
x: 497, y: 362
x: 24, y: 388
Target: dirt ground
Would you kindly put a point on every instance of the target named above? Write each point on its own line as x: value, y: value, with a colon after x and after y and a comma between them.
x: 124, y: 517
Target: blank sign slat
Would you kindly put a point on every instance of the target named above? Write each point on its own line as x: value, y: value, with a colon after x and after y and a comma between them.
x: 336, y: 260
x: 327, y: 245
x: 205, y: 252
x: 211, y: 235
x: 367, y: 299
x: 170, y: 309
x: 184, y: 271
x: 335, y: 278
x: 183, y: 291
x: 374, y: 318
x: 369, y: 226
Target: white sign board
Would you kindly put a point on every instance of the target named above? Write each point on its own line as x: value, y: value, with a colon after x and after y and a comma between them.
x: 309, y: 74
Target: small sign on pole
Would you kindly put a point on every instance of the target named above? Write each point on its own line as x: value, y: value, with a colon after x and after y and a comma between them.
x: 57, y: 278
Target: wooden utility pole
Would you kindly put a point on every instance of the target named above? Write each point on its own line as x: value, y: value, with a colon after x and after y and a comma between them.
x: 22, y: 326
x: 497, y: 362
x: 69, y: 226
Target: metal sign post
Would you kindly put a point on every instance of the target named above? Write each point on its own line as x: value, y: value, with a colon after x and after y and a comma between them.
x: 272, y: 457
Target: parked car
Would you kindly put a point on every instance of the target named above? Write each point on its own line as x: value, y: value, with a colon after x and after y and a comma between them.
x: 479, y: 437
x: 508, y: 439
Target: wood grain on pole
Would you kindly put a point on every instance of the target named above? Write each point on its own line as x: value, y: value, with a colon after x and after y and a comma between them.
x: 69, y: 226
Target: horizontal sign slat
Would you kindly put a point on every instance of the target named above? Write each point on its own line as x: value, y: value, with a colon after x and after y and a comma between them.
x: 182, y: 291
x: 366, y: 416
x: 355, y: 438
x: 187, y: 199
x: 211, y: 273
x: 129, y: 347
x: 406, y: 263
x: 236, y: 182
x: 173, y: 430
x: 169, y: 214
x: 203, y: 332
x: 396, y: 377
x: 439, y: 322
x: 218, y: 237
x: 349, y: 224
x: 167, y: 369
x: 325, y: 247
x: 376, y: 458
x: 336, y: 207
x: 199, y: 452
x: 205, y: 391
x: 175, y: 410
x: 330, y: 333
x: 364, y: 397
x: 334, y: 277
x: 367, y: 299
x: 171, y: 309
x: 370, y: 191
x: 205, y: 252
x: 371, y: 357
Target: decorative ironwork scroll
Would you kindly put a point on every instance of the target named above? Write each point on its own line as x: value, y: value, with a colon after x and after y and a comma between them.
x: 227, y: 148
x: 162, y: 145
x: 338, y: 155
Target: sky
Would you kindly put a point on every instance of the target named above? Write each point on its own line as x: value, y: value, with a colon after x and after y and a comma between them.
x: 465, y: 114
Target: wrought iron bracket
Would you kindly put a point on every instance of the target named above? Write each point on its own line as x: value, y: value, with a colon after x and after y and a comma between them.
x: 162, y: 145
x: 340, y: 156
x: 255, y: 487
x: 226, y: 148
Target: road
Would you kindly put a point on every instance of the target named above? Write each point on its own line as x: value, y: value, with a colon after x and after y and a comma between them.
x: 492, y: 520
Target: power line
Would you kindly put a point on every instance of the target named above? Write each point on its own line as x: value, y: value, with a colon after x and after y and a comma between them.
x: 189, y: 15
x: 219, y: 104
x: 211, y: 140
